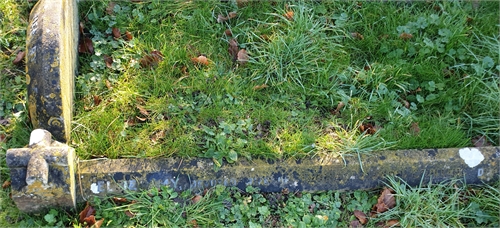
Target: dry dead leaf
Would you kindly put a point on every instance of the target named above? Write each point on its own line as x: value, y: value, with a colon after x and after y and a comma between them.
x: 361, y: 216
x: 129, y: 214
x: 242, y: 57
x: 86, y: 213
x: 385, y: 201
x: 405, y: 103
x: 6, y: 184
x: 194, y: 223
x: 414, y: 129
x: 19, y: 58
x: 86, y: 46
x: 480, y: 141
x: 242, y: 3
x: 228, y: 32
x: 2, y: 137
x: 355, y: 224
x: 108, y: 60
x: 110, y: 8
x: 141, y: 119
x: 202, y: 60
x: 357, y: 35
x: 120, y: 200
x: 98, y: 223
x: 116, y: 32
x: 392, y: 223
x: 232, y: 15
x: 128, y: 36
x: 151, y: 59
x: 142, y: 110
x: 289, y: 15
x: 233, y: 49
x: 405, y: 36
x: 340, y: 105
x: 81, y: 27
x: 108, y: 84
x: 259, y: 87
x: 368, y: 128
x: 221, y: 18
x: 196, y: 199
x: 157, y: 136
x: 97, y: 100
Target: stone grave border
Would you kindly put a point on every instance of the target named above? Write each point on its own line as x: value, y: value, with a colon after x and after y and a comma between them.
x: 49, y: 174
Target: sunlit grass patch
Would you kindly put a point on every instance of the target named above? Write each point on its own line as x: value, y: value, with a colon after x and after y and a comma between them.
x: 330, y: 78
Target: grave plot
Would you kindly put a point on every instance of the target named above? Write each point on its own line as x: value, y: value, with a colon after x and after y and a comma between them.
x: 302, y: 96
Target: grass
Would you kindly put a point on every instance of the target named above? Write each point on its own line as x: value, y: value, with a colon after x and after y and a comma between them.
x: 338, y: 79
x: 412, y: 78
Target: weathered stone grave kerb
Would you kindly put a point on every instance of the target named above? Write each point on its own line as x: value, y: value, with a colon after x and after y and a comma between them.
x: 48, y: 174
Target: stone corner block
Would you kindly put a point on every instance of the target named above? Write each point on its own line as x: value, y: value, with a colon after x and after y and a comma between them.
x: 42, y: 174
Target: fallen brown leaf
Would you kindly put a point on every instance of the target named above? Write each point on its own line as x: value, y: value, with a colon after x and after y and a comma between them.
x: 414, y: 128
x: 81, y: 27
x: 405, y: 36
x: 86, y: 213
x: 108, y: 84
x: 228, y: 32
x: 141, y: 119
x: 203, y: 60
x: 289, y: 15
x: 157, y: 136
x: 108, y: 60
x: 2, y: 137
x: 480, y: 141
x: 6, y: 184
x: 86, y: 46
x: 120, y: 200
x: 19, y: 58
x: 355, y: 224
x: 142, y: 110
x: 385, y: 201
x: 129, y: 214
x: 116, y: 32
x: 233, y: 49
x: 357, y: 35
x: 194, y: 223
x: 340, y: 105
x: 152, y: 59
x: 128, y: 36
x: 232, y: 15
x: 110, y: 8
x: 196, y: 199
x: 259, y: 87
x: 392, y: 223
x: 221, y: 18
x: 361, y: 216
x: 98, y: 223
x: 368, y: 128
x: 97, y: 100
x: 405, y: 103
x: 242, y: 57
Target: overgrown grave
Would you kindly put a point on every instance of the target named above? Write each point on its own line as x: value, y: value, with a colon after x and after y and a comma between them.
x: 48, y: 173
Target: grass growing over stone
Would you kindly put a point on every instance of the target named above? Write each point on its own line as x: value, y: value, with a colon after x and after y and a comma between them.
x: 335, y: 78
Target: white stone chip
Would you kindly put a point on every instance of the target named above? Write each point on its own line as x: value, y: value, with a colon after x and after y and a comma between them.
x: 471, y: 156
